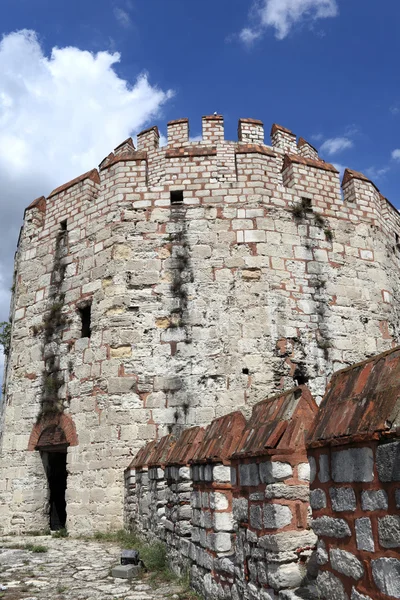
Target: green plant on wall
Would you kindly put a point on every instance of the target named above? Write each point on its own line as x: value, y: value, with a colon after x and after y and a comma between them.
x: 5, y: 336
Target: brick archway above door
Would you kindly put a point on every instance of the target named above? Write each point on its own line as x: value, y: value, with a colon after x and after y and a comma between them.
x: 53, y: 430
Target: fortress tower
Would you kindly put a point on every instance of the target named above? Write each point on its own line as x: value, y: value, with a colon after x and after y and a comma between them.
x: 172, y: 286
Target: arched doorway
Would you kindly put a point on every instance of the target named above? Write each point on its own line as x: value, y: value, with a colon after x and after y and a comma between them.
x: 51, y: 436
x: 52, y: 446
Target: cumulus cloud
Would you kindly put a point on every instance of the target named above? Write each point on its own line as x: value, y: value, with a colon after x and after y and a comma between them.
x: 283, y: 15
x: 396, y: 154
x: 59, y: 116
x: 335, y: 145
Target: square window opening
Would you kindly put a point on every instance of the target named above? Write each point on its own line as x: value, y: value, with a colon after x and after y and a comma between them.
x: 85, y: 314
x: 176, y: 197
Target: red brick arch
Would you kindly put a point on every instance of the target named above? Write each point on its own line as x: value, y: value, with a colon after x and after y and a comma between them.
x: 63, y: 421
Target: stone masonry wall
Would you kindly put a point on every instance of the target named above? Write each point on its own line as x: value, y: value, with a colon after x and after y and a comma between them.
x: 238, y: 519
x: 217, y: 273
x: 355, y: 483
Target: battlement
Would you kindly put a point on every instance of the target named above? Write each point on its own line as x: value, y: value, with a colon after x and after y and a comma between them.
x: 294, y: 165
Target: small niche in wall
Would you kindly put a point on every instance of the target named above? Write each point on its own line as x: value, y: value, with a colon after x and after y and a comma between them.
x: 176, y: 197
x: 63, y: 225
x: 85, y: 313
x: 245, y: 371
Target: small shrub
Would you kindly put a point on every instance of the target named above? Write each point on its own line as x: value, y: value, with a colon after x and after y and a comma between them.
x: 297, y: 211
x: 61, y: 533
x: 319, y: 221
x: 328, y: 234
x: 37, y: 548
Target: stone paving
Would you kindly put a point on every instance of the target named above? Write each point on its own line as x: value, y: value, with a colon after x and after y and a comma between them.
x: 70, y: 569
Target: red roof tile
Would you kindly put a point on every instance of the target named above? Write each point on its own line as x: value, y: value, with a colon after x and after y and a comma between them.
x: 361, y: 402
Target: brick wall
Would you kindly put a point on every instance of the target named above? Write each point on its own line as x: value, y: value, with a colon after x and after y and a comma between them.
x: 262, y: 278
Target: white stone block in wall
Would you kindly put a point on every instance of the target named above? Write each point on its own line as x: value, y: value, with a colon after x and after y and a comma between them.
x: 221, y: 474
x: 223, y: 521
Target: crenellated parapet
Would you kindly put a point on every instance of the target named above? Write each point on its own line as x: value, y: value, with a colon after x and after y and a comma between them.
x: 286, y: 162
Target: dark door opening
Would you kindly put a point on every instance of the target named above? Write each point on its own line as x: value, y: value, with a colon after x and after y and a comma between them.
x: 55, y: 463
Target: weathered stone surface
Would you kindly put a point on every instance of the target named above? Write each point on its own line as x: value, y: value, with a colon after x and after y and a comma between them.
x: 221, y: 474
x: 289, y: 492
x: 388, y: 461
x: 343, y: 499
x: 304, y: 471
x: 353, y: 464
x: 313, y: 468
x: 386, y: 574
x: 357, y: 596
x: 256, y: 517
x: 240, y: 507
x: 287, y: 541
x: 322, y: 554
x: 389, y: 531
x: 285, y: 576
x: 364, y: 536
x: 374, y: 500
x: 317, y: 499
x: 73, y: 568
x: 276, y: 516
x: 125, y: 571
x: 330, y: 587
x: 248, y: 474
x: 323, y: 472
x: 346, y: 563
x: 330, y: 527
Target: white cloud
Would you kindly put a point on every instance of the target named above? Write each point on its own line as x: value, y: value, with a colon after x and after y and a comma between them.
x: 248, y: 35
x: 335, y: 145
x: 60, y: 115
x: 396, y: 154
x: 376, y: 173
x: 123, y: 17
x: 283, y: 15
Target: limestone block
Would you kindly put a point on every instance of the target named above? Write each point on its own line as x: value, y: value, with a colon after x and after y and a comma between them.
x: 354, y: 464
x: 223, y: 521
x: 276, y: 516
x: 285, y: 576
x: 388, y: 461
x: 389, y: 531
x: 221, y: 474
x: 346, y: 563
x: 218, y: 501
x: 221, y: 542
x: 330, y: 587
x: 386, y: 574
x: 248, y: 474
x: 330, y: 527
x: 343, y: 499
x: 304, y: 471
x: 323, y: 473
x: 317, y: 499
x: 364, y: 535
x: 374, y: 500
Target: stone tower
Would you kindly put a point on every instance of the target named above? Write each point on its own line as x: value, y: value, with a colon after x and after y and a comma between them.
x: 172, y: 286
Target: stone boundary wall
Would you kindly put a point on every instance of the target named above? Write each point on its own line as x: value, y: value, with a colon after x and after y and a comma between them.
x: 354, y: 454
x: 234, y: 504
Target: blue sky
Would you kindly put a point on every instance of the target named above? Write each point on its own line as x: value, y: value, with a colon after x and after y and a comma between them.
x: 326, y: 69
